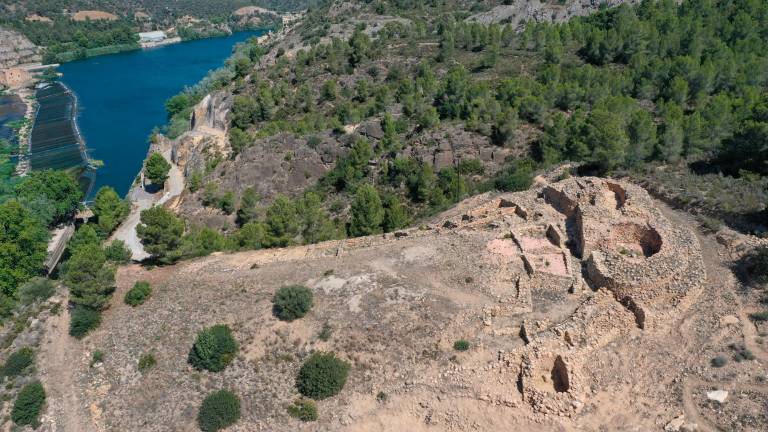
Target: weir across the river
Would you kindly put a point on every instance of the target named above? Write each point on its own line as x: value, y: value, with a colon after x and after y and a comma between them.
x: 56, y: 142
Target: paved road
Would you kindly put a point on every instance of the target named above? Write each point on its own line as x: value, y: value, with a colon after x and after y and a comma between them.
x: 143, y: 200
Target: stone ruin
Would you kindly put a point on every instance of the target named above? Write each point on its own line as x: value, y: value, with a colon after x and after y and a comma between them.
x: 592, y: 236
x: 610, y: 260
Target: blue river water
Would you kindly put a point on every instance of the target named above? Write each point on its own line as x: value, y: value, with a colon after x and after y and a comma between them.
x: 121, y: 98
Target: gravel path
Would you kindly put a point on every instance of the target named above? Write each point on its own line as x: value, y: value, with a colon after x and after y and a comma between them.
x: 142, y: 200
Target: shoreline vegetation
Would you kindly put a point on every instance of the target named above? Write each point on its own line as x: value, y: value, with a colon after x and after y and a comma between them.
x: 65, y: 36
x: 83, y: 54
x: 189, y: 36
x: 180, y: 106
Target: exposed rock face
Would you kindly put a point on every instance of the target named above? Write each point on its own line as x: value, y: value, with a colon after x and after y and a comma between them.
x: 448, y: 145
x: 281, y: 164
x: 207, y: 137
x: 15, y: 49
x: 523, y: 11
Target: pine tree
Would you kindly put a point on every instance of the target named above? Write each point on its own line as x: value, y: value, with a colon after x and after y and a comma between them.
x: 282, y: 222
x: 395, y: 214
x: 316, y: 224
x: 609, y: 139
x: 248, y: 206
x: 389, y: 142
x: 161, y: 233
x: 156, y: 169
x: 642, y: 137
x: 109, y: 209
x: 367, y: 212
x: 90, y: 279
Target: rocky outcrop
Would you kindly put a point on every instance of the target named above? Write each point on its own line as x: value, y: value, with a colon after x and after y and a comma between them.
x: 207, y: 135
x: 15, y: 49
x: 523, y: 11
x: 280, y: 164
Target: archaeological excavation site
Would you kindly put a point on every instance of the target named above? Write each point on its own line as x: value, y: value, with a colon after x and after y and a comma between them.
x: 580, y: 304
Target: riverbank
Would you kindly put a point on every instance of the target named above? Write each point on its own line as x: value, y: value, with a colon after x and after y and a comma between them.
x: 55, y: 141
x: 27, y: 95
x: 116, y: 120
x: 69, y: 56
x: 17, y: 112
x: 168, y: 41
x: 84, y: 54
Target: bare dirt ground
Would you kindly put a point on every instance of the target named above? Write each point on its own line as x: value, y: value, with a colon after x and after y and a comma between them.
x: 395, y: 306
x: 722, y: 283
x: 60, y: 356
x: 94, y: 15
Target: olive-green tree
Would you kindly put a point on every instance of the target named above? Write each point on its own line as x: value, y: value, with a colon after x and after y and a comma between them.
x: 161, y: 233
x: 156, y: 169
x: 367, y: 212
x: 109, y: 210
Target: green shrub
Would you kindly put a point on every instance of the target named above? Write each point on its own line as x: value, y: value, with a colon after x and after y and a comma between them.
x: 744, y: 355
x: 710, y: 224
x: 741, y: 353
x: 218, y: 411
x: 304, y: 410
x: 117, y: 252
x: 719, y: 361
x: 461, y: 345
x: 757, y: 265
x: 214, y: 349
x: 37, y: 288
x: 322, y: 376
x: 29, y: 403
x: 97, y: 357
x: 292, y: 302
x: 18, y: 362
x: 83, y: 320
x: 147, y: 361
x: 325, y: 332
x: 515, y: 176
x: 759, y: 316
x: 138, y: 294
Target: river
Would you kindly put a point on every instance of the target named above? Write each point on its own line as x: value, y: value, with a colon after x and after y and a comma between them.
x: 121, y: 98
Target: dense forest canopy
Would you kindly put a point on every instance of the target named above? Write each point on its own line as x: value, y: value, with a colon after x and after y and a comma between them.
x: 626, y: 87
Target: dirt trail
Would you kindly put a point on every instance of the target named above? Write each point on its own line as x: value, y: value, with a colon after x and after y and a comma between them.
x: 719, y: 279
x: 58, y: 358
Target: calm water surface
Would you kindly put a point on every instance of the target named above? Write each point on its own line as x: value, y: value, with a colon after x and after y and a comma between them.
x: 121, y: 98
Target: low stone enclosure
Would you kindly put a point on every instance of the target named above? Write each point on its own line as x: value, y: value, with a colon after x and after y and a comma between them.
x: 591, y: 235
x: 601, y: 243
